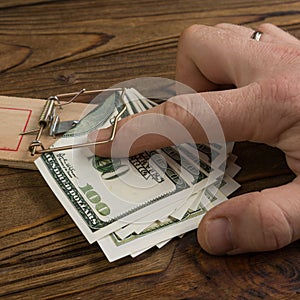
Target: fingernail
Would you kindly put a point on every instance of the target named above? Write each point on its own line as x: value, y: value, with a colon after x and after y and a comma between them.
x: 218, y: 236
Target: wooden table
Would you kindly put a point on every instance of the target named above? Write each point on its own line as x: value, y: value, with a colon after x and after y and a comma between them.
x: 50, y: 47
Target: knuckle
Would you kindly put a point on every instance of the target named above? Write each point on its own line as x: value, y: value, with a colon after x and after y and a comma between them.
x: 178, y: 112
x: 188, y: 35
x: 264, y: 226
x: 276, y: 228
x: 173, y: 110
x: 266, y: 27
x: 192, y: 29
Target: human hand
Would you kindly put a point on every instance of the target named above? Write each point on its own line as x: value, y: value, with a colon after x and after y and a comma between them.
x: 264, y: 107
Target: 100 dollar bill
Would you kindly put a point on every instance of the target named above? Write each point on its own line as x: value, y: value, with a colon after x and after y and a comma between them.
x: 102, y: 195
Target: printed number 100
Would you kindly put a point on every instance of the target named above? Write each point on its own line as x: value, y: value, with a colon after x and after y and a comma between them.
x: 95, y: 198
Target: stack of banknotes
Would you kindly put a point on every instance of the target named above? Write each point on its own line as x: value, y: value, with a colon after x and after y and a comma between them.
x: 129, y: 205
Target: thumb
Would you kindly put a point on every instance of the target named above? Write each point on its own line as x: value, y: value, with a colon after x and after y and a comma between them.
x: 258, y: 221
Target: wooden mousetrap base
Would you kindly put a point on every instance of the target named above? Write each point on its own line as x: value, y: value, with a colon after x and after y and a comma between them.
x: 21, y: 114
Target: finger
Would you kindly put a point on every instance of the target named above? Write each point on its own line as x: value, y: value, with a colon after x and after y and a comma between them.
x: 270, y: 33
x: 274, y: 34
x: 162, y: 125
x: 259, y: 221
x: 206, y: 57
x: 187, y: 70
x: 135, y: 133
x: 150, y: 130
x: 237, y: 30
x: 211, y: 56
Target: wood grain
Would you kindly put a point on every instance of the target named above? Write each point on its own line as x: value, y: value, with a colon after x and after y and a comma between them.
x: 50, y: 47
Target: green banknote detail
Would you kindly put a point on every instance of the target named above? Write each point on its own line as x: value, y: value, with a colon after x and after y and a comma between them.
x: 157, y: 226
x: 84, y: 208
x: 180, y: 160
x: 65, y: 184
x: 207, y: 168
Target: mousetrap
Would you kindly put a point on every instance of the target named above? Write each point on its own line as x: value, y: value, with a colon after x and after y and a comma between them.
x: 29, y: 126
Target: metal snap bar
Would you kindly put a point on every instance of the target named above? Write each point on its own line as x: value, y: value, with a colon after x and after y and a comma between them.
x: 49, y: 118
